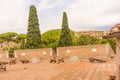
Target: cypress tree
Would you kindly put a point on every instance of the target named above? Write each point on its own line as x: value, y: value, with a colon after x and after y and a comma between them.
x: 65, y: 37
x: 33, y: 33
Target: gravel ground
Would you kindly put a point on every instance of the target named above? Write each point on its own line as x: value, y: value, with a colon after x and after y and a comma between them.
x: 63, y: 71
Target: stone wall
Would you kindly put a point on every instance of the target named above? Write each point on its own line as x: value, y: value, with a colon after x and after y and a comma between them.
x: 118, y: 58
x: 103, y: 51
x: 28, y: 54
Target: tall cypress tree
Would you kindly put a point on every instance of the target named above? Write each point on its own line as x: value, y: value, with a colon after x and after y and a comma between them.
x: 33, y: 33
x: 65, y: 38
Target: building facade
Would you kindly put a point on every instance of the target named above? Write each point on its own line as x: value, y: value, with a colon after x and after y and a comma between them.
x: 91, y: 33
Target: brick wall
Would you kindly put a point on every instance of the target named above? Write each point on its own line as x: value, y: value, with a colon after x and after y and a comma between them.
x: 103, y: 51
x: 3, y: 55
x: 100, y: 51
x: 42, y: 54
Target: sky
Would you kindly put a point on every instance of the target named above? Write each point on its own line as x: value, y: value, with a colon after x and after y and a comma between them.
x: 82, y: 14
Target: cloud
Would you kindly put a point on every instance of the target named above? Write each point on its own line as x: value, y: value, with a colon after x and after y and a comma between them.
x: 13, y: 16
x: 82, y: 14
x: 46, y: 4
x: 85, y: 14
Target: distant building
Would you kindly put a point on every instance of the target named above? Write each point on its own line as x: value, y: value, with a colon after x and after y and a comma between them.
x: 91, y: 33
x: 6, y: 43
x: 115, y: 28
